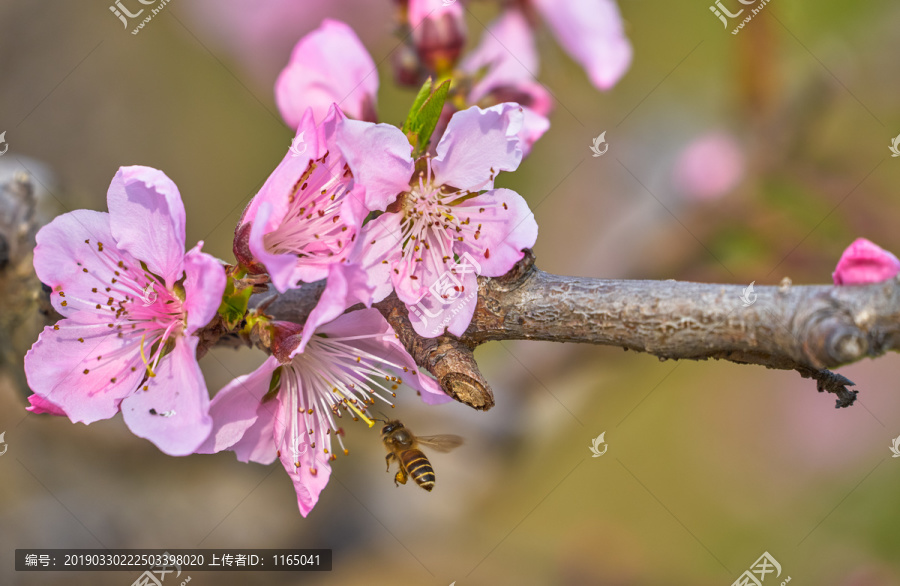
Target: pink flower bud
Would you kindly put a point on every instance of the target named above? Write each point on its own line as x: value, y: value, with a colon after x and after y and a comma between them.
x: 865, y: 262
x: 438, y: 32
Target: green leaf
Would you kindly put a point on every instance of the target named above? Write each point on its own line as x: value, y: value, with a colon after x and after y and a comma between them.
x: 423, y: 95
x: 274, y: 385
x: 424, y: 114
x: 234, y: 304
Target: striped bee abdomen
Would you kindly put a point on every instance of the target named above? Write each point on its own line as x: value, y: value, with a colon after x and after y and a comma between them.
x: 418, y: 466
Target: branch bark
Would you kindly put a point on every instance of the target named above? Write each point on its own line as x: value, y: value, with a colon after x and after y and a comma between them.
x: 802, y: 328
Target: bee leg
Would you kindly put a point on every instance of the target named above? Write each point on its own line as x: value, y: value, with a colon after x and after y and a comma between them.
x: 400, y: 477
x: 388, y: 459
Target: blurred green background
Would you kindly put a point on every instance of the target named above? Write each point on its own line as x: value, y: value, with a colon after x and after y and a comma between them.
x: 708, y: 465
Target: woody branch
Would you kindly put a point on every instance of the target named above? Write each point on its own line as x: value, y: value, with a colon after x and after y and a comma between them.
x: 803, y: 328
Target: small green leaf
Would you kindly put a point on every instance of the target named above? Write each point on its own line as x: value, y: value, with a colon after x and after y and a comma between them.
x: 234, y: 304
x: 425, y: 113
x: 423, y: 94
x: 274, y: 385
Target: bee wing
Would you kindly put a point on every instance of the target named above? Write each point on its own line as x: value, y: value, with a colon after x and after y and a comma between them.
x: 440, y: 443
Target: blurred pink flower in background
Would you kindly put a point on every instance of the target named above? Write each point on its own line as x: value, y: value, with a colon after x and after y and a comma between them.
x: 259, y: 34
x: 592, y: 32
x: 508, y: 56
x: 710, y: 167
x: 328, y: 66
x: 865, y: 262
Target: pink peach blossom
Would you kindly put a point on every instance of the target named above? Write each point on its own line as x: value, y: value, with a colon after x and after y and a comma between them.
x: 291, y: 407
x: 450, y: 211
x: 131, y: 299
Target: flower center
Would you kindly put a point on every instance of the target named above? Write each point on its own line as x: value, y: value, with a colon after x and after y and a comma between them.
x: 132, y: 303
x: 432, y: 224
x: 311, y: 228
x: 332, y: 378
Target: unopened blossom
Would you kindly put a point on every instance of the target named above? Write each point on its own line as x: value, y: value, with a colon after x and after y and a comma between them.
x: 131, y: 298
x: 329, y: 65
x: 438, y: 32
x: 507, y: 62
x: 865, y: 262
x: 449, y: 224
x: 293, y: 406
x: 307, y: 216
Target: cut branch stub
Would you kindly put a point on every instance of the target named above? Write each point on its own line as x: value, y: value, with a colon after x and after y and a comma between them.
x: 446, y: 357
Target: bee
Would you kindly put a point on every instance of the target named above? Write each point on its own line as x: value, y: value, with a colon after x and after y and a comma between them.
x: 402, y: 445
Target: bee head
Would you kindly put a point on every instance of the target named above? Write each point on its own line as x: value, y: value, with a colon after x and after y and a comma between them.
x: 391, y: 426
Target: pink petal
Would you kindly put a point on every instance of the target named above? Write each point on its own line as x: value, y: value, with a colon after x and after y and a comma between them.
x: 282, y: 181
x: 477, y: 145
x: 147, y: 219
x: 40, y: 405
x: 328, y: 65
x: 865, y: 262
x: 370, y: 321
x: 346, y: 286
x: 55, y: 365
x: 257, y: 445
x: 508, y: 53
x: 61, y: 255
x: 307, y: 485
x: 234, y: 409
x: 379, y: 156
x: 534, y: 125
x: 283, y: 269
x: 379, y: 249
x: 435, y: 313
x: 204, y: 286
x: 174, y: 412
x: 593, y: 33
x: 508, y: 226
